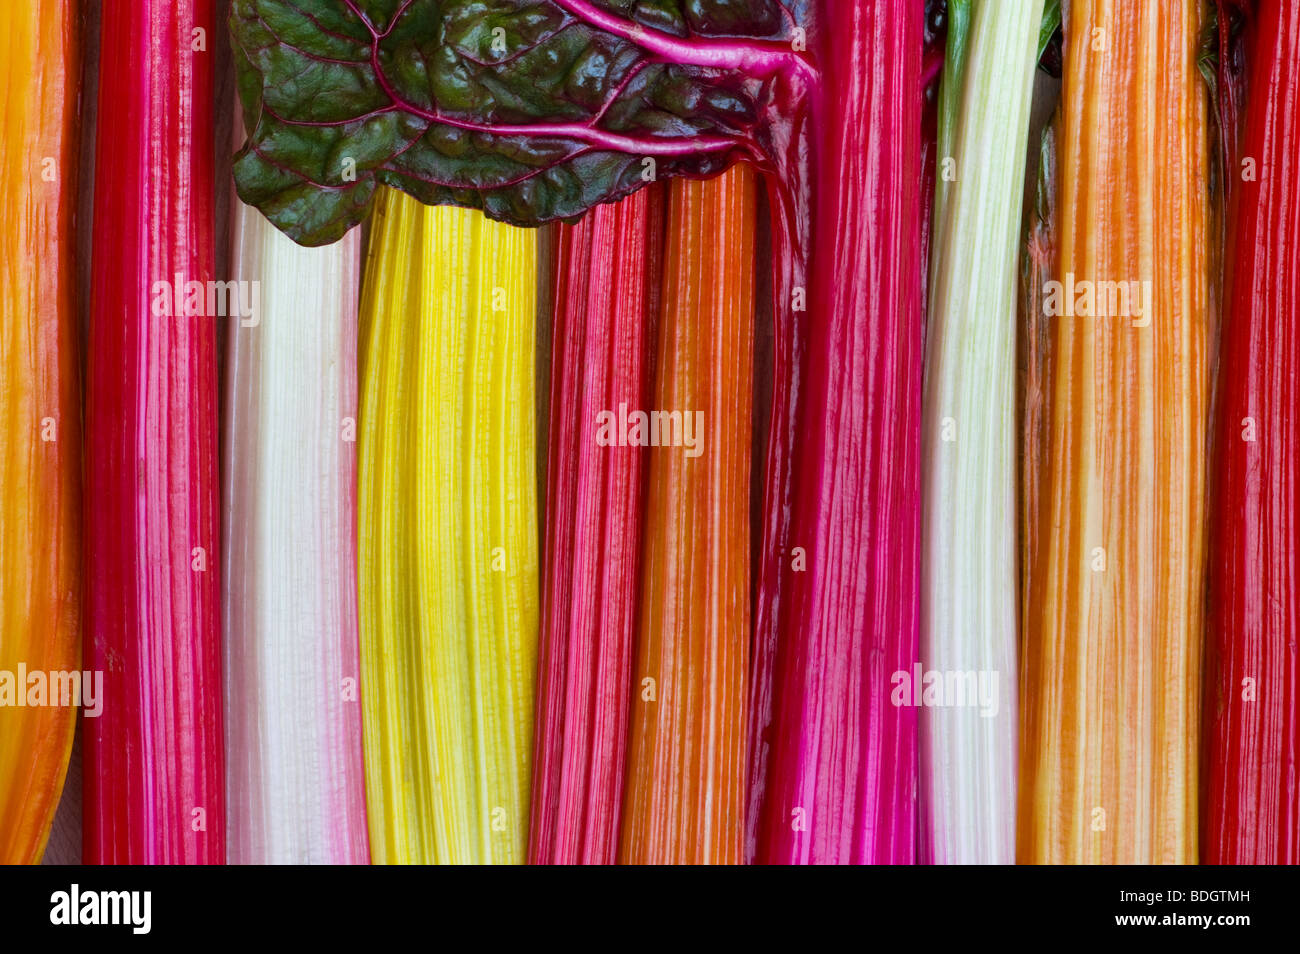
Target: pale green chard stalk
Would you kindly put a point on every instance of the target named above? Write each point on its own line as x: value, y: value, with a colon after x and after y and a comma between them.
x: 969, y: 604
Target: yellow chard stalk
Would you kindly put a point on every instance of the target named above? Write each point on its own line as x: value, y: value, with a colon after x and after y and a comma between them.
x: 448, y: 535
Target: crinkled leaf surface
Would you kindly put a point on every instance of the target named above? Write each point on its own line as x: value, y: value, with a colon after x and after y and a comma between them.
x: 531, y: 110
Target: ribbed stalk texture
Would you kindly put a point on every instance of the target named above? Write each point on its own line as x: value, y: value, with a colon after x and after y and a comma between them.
x: 40, y: 419
x: 788, y: 195
x: 447, y: 528
x: 153, y: 761
x: 1252, y: 802
x: 1115, y: 555
x: 685, y: 800
x: 606, y: 285
x: 839, y: 779
x: 295, y: 784
x: 969, y: 570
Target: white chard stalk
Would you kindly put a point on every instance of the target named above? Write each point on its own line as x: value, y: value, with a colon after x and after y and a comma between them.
x: 969, y: 570
x: 294, y: 777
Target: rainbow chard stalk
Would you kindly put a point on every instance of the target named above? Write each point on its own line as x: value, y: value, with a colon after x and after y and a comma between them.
x: 685, y: 798
x: 153, y: 774
x: 1252, y: 702
x: 969, y: 601
x: 294, y: 779
x: 447, y: 517
x: 1116, y: 420
x: 606, y: 280
x: 841, y: 758
x: 533, y: 110
x: 40, y: 424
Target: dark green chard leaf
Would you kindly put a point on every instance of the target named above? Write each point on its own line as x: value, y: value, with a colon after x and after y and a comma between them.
x: 1050, y: 26
x: 531, y: 110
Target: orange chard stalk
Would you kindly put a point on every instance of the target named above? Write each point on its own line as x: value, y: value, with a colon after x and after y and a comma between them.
x: 1116, y: 414
x: 684, y: 800
x: 40, y: 423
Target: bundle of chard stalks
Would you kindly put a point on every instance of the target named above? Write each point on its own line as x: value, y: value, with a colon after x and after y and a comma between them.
x: 744, y: 431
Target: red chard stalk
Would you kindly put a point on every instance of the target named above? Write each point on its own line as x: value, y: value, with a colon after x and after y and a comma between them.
x: 1251, y: 813
x: 605, y: 279
x: 154, y: 789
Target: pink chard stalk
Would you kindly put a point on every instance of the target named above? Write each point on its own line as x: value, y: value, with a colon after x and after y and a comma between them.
x: 839, y: 785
